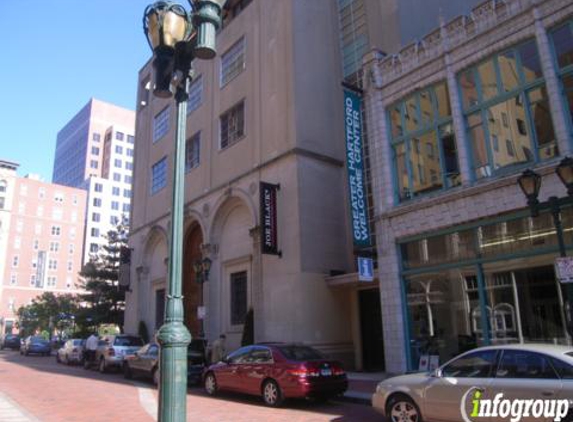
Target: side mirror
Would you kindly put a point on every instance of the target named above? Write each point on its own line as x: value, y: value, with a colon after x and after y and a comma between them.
x: 436, y: 373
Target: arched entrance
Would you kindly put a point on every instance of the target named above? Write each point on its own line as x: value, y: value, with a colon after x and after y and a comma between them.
x: 192, y: 290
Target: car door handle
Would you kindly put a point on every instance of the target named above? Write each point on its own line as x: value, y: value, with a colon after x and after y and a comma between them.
x: 548, y: 393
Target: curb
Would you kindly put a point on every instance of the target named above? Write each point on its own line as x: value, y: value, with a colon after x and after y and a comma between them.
x: 356, y: 398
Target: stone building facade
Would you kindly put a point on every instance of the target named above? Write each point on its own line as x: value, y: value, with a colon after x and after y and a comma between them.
x: 454, y: 119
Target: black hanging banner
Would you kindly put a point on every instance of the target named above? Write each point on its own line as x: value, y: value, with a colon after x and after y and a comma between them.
x: 269, y: 238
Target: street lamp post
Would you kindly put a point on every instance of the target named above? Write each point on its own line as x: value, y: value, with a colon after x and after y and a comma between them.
x: 176, y: 38
x: 530, y: 184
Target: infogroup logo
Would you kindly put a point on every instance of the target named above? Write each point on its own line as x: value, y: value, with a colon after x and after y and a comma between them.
x: 513, y: 410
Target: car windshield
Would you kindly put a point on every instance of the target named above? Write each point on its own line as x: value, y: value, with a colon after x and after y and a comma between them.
x: 38, y: 339
x: 128, y: 341
x: 300, y: 353
x: 77, y: 342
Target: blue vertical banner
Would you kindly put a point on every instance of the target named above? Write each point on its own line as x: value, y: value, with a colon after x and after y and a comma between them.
x: 355, y: 169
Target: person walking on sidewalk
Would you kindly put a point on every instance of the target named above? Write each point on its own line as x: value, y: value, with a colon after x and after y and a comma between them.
x: 91, y: 346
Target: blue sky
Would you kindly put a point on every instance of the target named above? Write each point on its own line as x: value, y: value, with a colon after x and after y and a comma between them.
x: 56, y: 55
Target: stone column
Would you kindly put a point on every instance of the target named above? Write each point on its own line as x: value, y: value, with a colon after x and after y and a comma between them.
x: 553, y: 86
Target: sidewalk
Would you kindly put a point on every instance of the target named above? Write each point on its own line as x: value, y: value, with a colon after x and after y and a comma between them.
x: 10, y: 411
x: 361, y: 386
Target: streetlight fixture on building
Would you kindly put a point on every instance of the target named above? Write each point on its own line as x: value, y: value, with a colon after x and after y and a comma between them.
x: 176, y: 38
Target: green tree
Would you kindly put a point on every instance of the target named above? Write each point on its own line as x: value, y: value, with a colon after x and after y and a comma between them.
x: 104, y: 302
x: 48, y: 312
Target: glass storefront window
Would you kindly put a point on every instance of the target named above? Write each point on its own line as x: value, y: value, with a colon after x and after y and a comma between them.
x: 531, y: 66
x: 507, y: 122
x: 508, y: 70
x: 541, y: 116
x: 469, y: 89
x: 401, y: 170
x: 523, y: 306
x: 563, y: 44
x: 488, y: 80
x: 478, y: 142
x: 440, y: 310
x: 426, y: 152
x: 506, y: 131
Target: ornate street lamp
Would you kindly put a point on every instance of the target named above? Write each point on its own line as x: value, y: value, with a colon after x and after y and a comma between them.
x: 530, y: 183
x: 176, y: 38
x: 565, y: 172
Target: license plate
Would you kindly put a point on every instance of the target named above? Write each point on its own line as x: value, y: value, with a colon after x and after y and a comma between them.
x: 326, y: 372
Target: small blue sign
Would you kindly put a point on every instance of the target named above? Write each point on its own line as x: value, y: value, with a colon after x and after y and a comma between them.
x: 365, y: 269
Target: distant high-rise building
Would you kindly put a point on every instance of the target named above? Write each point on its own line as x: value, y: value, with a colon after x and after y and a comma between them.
x: 41, y: 237
x: 94, y: 152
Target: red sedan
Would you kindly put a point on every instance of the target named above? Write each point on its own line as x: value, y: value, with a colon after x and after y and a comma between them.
x: 277, y: 371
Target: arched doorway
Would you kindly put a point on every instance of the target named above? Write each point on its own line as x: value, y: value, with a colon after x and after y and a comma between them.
x: 192, y: 290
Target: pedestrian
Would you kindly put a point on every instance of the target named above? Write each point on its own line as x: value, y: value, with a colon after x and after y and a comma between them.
x: 91, y: 346
x: 218, y: 349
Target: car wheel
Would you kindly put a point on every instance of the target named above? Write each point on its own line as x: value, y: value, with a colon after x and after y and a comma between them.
x: 272, y: 394
x: 26, y: 353
x: 58, y: 358
x: 127, y: 374
x: 68, y: 362
x: 211, y: 384
x: 402, y: 408
x: 102, y: 369
x: 155, y: 376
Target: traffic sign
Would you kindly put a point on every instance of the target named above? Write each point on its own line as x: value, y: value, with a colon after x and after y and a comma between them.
x: 564, y: 269
x: 365, y: 269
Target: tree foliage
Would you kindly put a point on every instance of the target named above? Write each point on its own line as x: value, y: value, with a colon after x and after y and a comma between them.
x: 104, y: 302
x: 47, y: 312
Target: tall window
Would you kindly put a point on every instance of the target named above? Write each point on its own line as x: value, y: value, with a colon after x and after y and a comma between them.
x: 159, y: 175
x: 233, y: 62
x: 161, y: 124
x: 192, y: 151
x: 562, y: 39
x: 423, y: 141
x: 353, y: 38
x: 238, y: 297
x: 507, y: 111
x: 232, y: 125
x: 195, y: 94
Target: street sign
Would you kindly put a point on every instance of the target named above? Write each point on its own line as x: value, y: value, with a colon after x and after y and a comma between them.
x: 564, y: 269
x: 365, y: 269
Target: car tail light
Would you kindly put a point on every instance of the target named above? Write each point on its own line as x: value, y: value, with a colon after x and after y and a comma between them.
x: 337, y: 371
x: 304, y: 372
x: 111, y: 351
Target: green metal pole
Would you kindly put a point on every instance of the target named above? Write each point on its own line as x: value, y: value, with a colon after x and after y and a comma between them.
x: 173, y: 336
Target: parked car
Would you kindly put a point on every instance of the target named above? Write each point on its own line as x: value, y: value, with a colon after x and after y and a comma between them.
x: 35, y: 344
x: 523, y: 371
x: 112, y: 349
x: 277, y: 371
x: 143, y: 363
x: 11, y: 341
x: 196, y: 360
x: 71, y: 351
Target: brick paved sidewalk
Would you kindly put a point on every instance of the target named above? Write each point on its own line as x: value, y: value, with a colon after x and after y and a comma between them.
x: 50, y: 396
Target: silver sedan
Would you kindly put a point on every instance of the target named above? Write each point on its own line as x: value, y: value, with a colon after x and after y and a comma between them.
x: 483, y: 384
x: 71, y: 351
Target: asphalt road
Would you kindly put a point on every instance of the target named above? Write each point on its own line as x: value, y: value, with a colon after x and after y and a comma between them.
x: 37, y: 389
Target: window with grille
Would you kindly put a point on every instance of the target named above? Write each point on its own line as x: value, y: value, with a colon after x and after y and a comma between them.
x: 161, y: 124
x: 238, y: 297
x: 353, y: 38
x: 192, y: 152
x: 159, y: 175
x: 195, y: 94
x: 232, y: 125
x: 233, y: 62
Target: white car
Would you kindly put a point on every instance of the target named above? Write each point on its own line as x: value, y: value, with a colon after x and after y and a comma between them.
x: 483, y: 379
x: 71, y: 351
